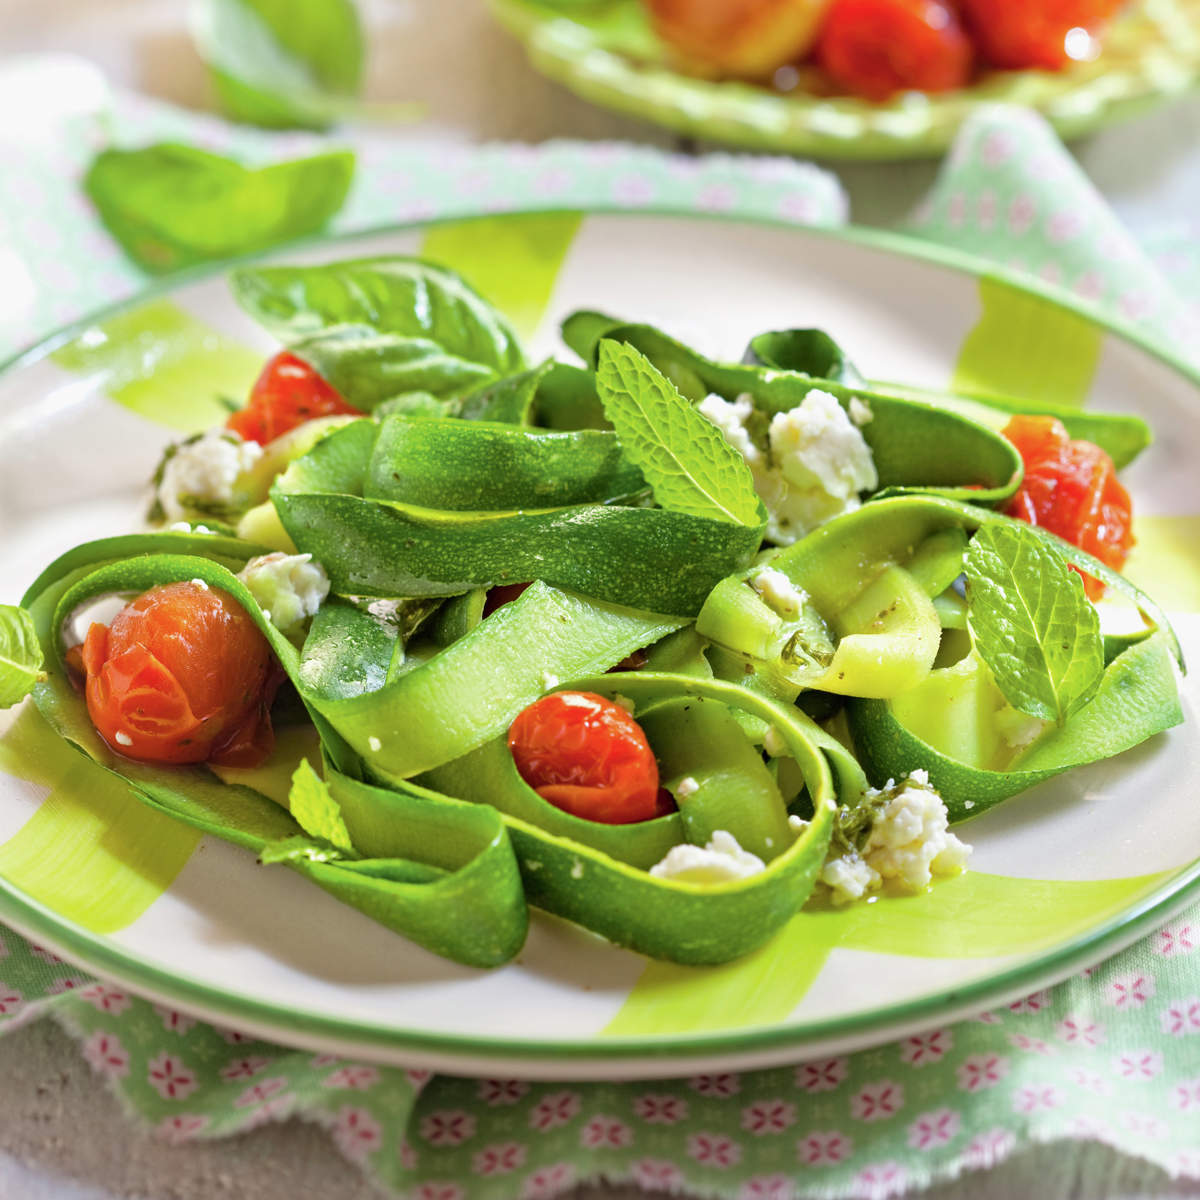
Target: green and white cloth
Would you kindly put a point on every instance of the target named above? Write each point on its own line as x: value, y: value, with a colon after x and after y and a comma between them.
x: 1112, y: 1055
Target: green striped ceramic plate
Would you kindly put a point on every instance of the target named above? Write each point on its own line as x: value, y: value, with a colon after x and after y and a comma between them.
x: 1061, y: 875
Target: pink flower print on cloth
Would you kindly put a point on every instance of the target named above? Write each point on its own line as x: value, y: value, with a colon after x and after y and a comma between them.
x: 714, y: 1150
x: 768, y: 1116
x: 1186, y: 1096
x: 767, y: 1187
x: 439, y: 1189
x: 717, y: 1087
x: 245, y: 1068
x: 448, y: 1127
x: 979, y: 1071
x: 1037, y: 1097
x: 877, y: 1101
x: 925, y: 1048
x: 170, y: 1077
x: 546, y: 1183
x: 356, y: 1077
x: 1129, y: 991
x: 1138, y: 1065
x: 603, y: 1132
x: 824, y: 1148
x: 822, y: 1076
x: 261, y: 1092
x: 880, y: 1180
x: 555, y: 1110
x: 356, y: 1132
x: 987, y: 1149
x: 1079, y: 1031
x: 174, y: 1022
x: 182, y: 1127
x: 105, y: 999
x: 105, y: 1054
x: 660, y: 1108
x: 1182, y: 1018
x: 657, y: 1175
x: 1180, y: 938
x: 501, y: 1092
x: 934, y: 1129
x: 500, y: 1159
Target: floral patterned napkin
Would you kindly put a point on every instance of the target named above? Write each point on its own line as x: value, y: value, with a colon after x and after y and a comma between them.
x: 1112, y: 1055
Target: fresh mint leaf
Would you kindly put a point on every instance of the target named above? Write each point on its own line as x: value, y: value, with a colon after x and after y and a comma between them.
x: 398, y: 296
x: 282, y: 63
x: 1032, y: 622
x: 315, y: 809
x: 20, y: 655
x: 685, y: 459
x: 172, y: 206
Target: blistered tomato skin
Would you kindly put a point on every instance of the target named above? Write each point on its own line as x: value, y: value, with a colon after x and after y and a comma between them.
x: 1047, y: 34
x: 182, y: 675
x: 1071, y: 489
x: 588, y: 756
x: 877, y: 48
x: 286, y: 394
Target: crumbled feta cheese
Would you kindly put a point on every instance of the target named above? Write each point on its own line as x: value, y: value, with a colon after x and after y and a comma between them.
x: 202, y: 473
x: 549, y: 680
x: 625, y: 702
x: 860, y: 412
x: 291, y: 584
x: 797, y: 824
x: 720, y: 861
x: 813, y: 466
x: 577, y: 869
x: 200, y: 584
x: 909, y: 843
x: 1018, y: 729
x: 687, y: 786
x: 374, y: 744
x: 122, y: 738
x: 779, y: 591
x: 188, y: 527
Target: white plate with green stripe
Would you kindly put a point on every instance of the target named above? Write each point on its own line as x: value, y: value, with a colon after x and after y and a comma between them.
x: 1061, y: 876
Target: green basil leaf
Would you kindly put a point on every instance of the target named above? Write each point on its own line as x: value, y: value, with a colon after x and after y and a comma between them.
x: 368, y: 368
x: 1032, y: 622
x: 387, y: 295
x: 282, y: 63
x: 173, y: 206
x: 20, y: 655
x: 315, y: 810
x: 684, y: 457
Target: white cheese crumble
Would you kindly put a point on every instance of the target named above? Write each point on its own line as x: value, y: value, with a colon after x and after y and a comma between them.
x: 860, y: 412
x: 122, y: 738
x: 797, y: 824
x: 200, y: 584
x: 577, y: 869
x: 292, y: 586
x: 374, y: 744
x: 687, y: 786
x: 625, y: 702
x: 909, y: 843
x: 188, y: 527
x: 549, y: 680
x: 779, y: 592
x: 721, y: 861
x: 203, y: 473
x: 773, y: 742
x: 814, y: 466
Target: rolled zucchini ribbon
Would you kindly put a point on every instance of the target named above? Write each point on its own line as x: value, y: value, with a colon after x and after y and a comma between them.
x: 385, y: 509
x: 870, y: 630
x: 916, y: 445
x: 422, y: 858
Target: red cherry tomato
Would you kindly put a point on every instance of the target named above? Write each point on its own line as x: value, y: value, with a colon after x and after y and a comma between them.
x: 587, y: 756
x: 182, y: 675
x: 286, y: 394
x: 875, y: 48
x: 1037, y: 33
x: 1071, y: 488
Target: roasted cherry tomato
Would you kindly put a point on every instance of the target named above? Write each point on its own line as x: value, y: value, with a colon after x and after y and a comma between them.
x: 587, y: 756
x: 286, y: 394
x: 745, y: 38
x: 1037, y: 33
x: 1071, y: 488
x: 182, y: 675
x: 876, y: 48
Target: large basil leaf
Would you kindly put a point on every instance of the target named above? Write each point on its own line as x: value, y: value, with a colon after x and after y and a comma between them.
x: 282, y: 63
x: 399, y: 309
x: 20, y: 655
x: 173, y: 206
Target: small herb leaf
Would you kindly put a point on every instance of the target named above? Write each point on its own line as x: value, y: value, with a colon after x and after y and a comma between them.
x: 381, y: 296
x: 20, y: 655
x: 282, y: 63
x: 1032, y: 622
x: 683, y: 456
x: 315, y: 809
x: 172, y: 206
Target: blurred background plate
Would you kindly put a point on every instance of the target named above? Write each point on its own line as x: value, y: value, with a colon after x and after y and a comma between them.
x: 605, y: 51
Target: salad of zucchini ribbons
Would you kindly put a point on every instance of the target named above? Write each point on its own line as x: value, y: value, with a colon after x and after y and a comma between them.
x: 667, y: 646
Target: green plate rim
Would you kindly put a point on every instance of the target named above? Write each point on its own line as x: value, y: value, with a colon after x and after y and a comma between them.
x: 725, y: 112
x: 784, y: 1042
